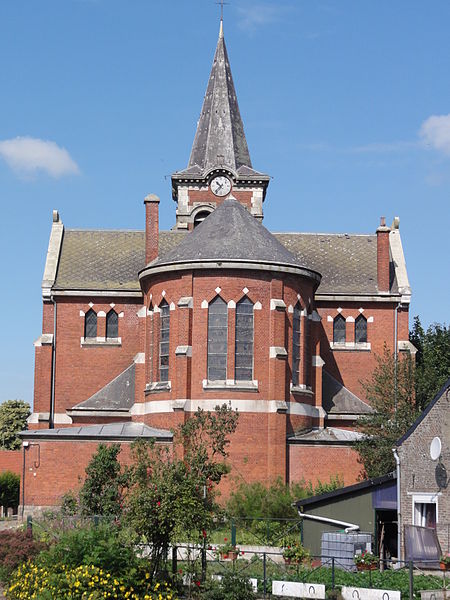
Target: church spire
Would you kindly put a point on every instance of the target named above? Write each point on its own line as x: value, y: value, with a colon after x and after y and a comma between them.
x: 220, y: 138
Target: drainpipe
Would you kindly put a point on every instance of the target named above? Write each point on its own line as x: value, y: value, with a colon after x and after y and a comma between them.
x: 348, y: 526
x: 24, y: 447
x: 51, y: 420
x: 399, y: 514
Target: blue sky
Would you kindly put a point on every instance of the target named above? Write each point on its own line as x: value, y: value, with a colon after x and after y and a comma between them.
x: 345, y: 103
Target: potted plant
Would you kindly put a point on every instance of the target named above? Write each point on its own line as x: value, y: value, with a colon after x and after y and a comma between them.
x: 227, y: 550
x: 366, y: 561
x: 444, y: 562
x: 294, y: 553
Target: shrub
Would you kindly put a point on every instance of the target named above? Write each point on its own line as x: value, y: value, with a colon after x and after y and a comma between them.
x: 99, y: 546
x: 16, y: 547
x: 9, y: 489
x: 84, y: 581
x: 232, y: 586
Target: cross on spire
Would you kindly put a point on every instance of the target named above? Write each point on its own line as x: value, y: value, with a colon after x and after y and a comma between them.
x: 221, y: 3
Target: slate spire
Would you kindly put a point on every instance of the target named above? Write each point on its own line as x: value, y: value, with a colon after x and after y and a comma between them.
x: 220, y: 138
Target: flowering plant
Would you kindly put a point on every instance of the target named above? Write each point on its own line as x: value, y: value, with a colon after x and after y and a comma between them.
x: 227, y: 548
x: 445, y: 558
x: 365, y: 558
x: 295, y: 552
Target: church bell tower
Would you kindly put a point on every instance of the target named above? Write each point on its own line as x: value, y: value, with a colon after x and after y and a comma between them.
x: 219, y: 164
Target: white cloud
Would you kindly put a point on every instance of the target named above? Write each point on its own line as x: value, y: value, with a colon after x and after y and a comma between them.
x: 435, y: 132
x: 29, y: 155
x: 258, y: 15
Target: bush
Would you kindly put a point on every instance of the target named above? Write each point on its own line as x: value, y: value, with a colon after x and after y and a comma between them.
x: 9, y: 489
x: 16, y: 547
x: 232, y: 586
x: 84, y: 581
x: 99, y: 546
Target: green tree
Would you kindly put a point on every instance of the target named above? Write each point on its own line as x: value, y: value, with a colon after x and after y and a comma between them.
x: 390, y: 392
x: 172, y: 490
x: 432, y: 359
x: 9, y: 489
x: 103, y: 488
x: 13, y: 418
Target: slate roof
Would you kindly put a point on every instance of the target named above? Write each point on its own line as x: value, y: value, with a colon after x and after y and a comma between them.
x: 111, y: 259
x: 117, y: 395
x: 326, y: 435
x: 112, y: 431
x: 230, y: 233
x: 337, y: 399
x: 220, y: 131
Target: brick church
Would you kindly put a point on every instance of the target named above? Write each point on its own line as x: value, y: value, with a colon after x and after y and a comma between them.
x: 141, y: 328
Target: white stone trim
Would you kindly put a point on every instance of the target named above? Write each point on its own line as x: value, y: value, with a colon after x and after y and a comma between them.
x: 53, y: 253
x: 186, y: 302
x: 398, y: 258
x: 339, y: 310
x: 82, y: 313
x: 361, y: 310
x: 163, y: 293
x: 231, y: 384
x: 245, y: 406
x: 183, y: 351
x: 99, y: 293
x: 112, y: 305
x: 139, y: 359
x: 204, y: 304
x: 91, y: 304
x: 294, y: 589
x: 277, y: 304
x: 257, y: 306
x: 330, y: 319
x: 350, y: 319
x: 218, y: 290
x: 290, y: 309
x: 59, y: 418
x: 46, y: 339
x: 172, y: 306
x: 350, y: 593
x: 121, y: 315
x: 317, y: 361
x: 156, y: 309
x: 156, y: 386
x: 245, y: 290
x: 407, y: 346
x: 142, y: 312
x: 231, y: 304
x: 351, y: 346
x: 370, y: 319
x: 101, y: 313
x: 100, y: 341
x: 277, y: 352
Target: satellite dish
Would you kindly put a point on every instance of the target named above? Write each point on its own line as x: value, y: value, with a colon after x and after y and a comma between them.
x: 435, y: 448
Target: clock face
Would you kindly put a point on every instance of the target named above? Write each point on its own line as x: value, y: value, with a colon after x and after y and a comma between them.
x: 221, y: 185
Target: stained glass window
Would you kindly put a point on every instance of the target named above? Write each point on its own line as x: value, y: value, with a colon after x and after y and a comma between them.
x: 112, y: 324
x: 361, y: 329
x: 90, y: 324
x: 164, y: 330
x: 243, y: 356
x: 217, y: 339
x: 339, y: 330
x: 296, y: 345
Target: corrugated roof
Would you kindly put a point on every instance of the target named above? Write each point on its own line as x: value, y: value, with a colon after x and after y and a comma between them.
x: 110, y: 260
x: 111, y: 431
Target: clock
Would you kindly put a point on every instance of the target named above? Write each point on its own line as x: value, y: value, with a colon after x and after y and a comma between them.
x: 220, y: 185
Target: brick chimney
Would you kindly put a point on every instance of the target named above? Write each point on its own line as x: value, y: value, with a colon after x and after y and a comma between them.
x: 151, y: 227
x: 383, y: 271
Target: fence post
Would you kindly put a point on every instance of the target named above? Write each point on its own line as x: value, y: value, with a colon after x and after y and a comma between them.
x: 332, y: 573
x: 204, y: 560
x: 264, y: 574
x: 233, y: 533
x: 29, y: 526
x: 174, y: 560
x: 411, y: 580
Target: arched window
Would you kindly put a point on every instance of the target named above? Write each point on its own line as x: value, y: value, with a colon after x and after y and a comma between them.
x: 217, y: 339
x: 164, y: 330
x: 243, y: 356
x: 339, y: 330
x: 296, y: 344
x: 90, y: 324
x: 112, y: 324
x: 360, y: 329
x: 200, y: 217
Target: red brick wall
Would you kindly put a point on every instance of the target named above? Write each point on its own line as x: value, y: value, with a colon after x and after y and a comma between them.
x: 11, y: 460
x: 314, y: 462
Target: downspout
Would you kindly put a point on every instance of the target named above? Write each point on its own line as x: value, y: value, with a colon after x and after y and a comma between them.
x: 24, y: 446
x: 399, y: 514
x: 51, y: 420
x: 348, y: 526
